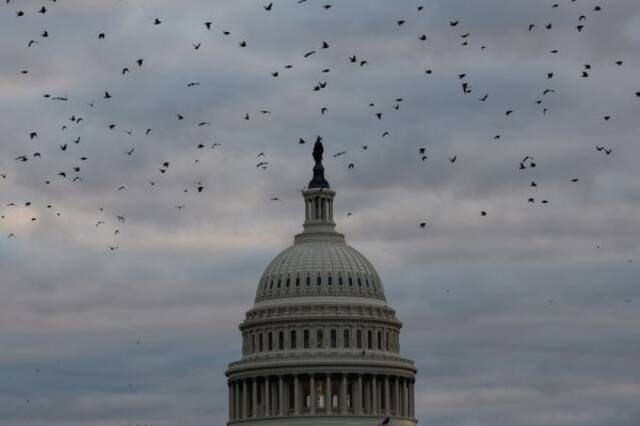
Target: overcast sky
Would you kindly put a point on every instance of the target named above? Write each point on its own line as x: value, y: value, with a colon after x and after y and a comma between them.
x: 526, y: 316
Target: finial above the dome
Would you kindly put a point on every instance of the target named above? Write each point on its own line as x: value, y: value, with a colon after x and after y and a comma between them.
x: 318, y: 180
x: 318, y: 199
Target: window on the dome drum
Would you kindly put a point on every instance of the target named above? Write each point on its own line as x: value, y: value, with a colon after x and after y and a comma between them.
x: 334, y: 338
x: 379, y: 340
x: 319, y: 281
x: 279, y: 282
x: 297, y: 281
x: 359, y: 339
x: 346, y: 339
x: 369, y: 339
x: 260, y: 346
x: 293, y: 339
x: 340, y: 280
x: 386, y: 340
x: 359, y: 282
x: 308, y: 281
x: 281, y: 340
x: 329, y: 280
x: 253, y: 343
x: 351, y: 281
x: 287, y: 283
x: 305, y: 338
x: 320, y: 338
x: 271, y: 285
x: 270, y: 341
x: 366, y: 282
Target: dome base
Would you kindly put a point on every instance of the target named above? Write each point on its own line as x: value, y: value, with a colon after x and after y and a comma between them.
x: 324, y: 421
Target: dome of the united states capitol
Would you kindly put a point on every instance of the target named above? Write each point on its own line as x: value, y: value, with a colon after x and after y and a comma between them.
x: 320, y: 346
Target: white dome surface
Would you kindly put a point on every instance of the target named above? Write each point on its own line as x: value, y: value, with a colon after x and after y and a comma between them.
x: 320, y: 265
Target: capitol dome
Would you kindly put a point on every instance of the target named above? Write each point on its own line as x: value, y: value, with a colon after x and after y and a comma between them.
x: 319, y: 266
x: 320, y: 345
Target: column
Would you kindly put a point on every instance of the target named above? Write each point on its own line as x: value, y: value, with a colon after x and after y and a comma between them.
x: 359, y: 396
x: 387, y: 396
x: 281, y: 395
x: 266, y: 397
x: 374, y: 395
x: 405, y: 398
x: 328, y: 395
x: 236, y: 409
x: 254, y: 398
x: 312, y: 393
x: 396, y: 395
x: 343, y: 395
x: 367, y: 397
x: 231, y: 396
x: 412, y: 400
x: 296, y: 394
x: 245, y: 399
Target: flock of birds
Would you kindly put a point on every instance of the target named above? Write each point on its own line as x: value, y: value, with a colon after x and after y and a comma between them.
x: 75, y: 173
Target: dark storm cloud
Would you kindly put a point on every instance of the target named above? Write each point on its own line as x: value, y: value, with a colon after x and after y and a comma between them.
x: 517, y: 318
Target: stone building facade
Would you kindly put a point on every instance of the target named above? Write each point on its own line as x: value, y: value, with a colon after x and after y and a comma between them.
x: 320, y: 346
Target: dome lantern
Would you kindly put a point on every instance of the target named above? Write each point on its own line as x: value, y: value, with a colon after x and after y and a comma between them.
x: 318, y: 199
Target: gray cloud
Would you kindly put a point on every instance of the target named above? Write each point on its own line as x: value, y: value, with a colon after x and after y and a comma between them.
x: 517, y: 318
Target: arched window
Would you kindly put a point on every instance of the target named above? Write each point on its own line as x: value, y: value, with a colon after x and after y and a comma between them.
x: 279, y: 282
x: 271, y: 285
x: 386, y: 340
x: 340, y: 280
x: 287, y: 282
x: 359, y: 339
x: 329, y: 280
x: 253, y: 343
x: 351, y: 281
x: 270, y: 341
x: 319, y: 280
x: 366, y: 282
x: 369, y: 339
x: 379, y: 340
x: 260, y: 342
x: 293, y: 340
x: 308, y: 281
x: 281, y: 340
x: 359, y: 282
x: 346, y: 339
x: 305, y: 338
x: 297, y: 281
x: 320, y: 338
x: 334, y: 338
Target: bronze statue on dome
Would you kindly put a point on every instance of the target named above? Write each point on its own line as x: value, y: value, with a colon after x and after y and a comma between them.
x: 318, y: 150
x: 318, y: 180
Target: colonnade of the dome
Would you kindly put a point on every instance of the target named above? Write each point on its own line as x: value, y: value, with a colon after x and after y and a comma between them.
x: 321, y: 394
x: 353, y: 336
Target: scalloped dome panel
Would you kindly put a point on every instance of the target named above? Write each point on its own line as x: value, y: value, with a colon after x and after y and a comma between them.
x: 320, y: 268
